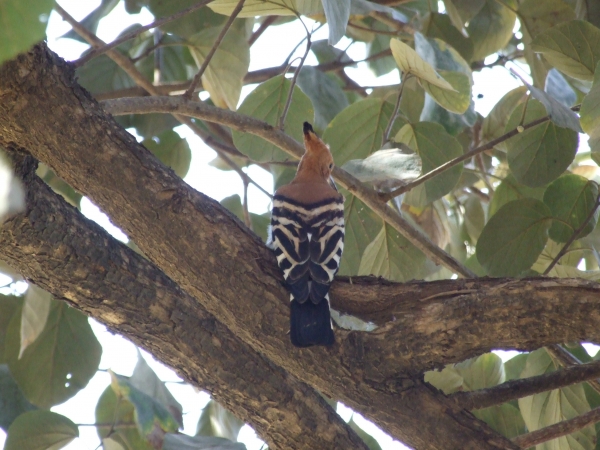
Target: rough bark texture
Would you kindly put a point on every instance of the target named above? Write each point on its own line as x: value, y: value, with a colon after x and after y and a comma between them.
x: 55, y: 247
x: 213, y: 257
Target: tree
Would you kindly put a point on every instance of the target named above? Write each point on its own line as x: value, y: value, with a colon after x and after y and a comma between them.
x: 433, y: 191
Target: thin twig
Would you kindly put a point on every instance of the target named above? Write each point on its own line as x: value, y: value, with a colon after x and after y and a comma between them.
x: 157, y: 23
x: 269, y: 20
x: 395, y: 113
x: 573, y: 237
x: 528, y: 386
x: 558, y: 429
x: 567, y: 359
x: 246, y: 213
x: 295, y: 78
x: 453, y: 162
x: 237, y: 121
x: 190, y: 91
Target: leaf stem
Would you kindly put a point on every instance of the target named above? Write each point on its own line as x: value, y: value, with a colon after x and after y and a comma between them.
x: 573, y: 237
x: 395, y: 113
x: 190, y: 90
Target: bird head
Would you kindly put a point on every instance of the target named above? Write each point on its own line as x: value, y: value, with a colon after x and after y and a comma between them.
x: 317, y: 161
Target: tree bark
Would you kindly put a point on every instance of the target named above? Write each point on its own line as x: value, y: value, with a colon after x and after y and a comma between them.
x: 210, y: 254
x: 55, y: 247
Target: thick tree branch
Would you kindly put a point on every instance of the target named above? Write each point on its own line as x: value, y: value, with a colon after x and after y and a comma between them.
x: 527, y: 386
x: 57, y: 248
x: 213, y: 256
x: 175, y: 105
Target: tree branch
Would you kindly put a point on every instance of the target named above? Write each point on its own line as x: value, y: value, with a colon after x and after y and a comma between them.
x: 54, y: 246
x: 174, y: 105
x: 567, y: 359
x: 527, y: 386
x: 558, y: 429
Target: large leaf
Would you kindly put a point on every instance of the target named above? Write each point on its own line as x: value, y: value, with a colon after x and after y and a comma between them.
x: 223, y: 78
x: 22, y: 24
x: 510, y: 189
x: 572, y: 47
x: 435, y: 147
x: 189, y: 24
x: 506, y: 419
x: 185, y: 442
x: 254, y: 8
x: 144, y: 379
x: 457, y: 101
x: 538, y: 16
x: 102, y: 74
x: 172, y: 150
x: 60, y: 362
x: 337, y: 13
x: 439, y: 26
x: 217, y: 421
x: 120, y: 412
x: 393, y: 257
x: 547, y: 408
x: 542, y: 153
x: 571, y: 198
x: 267, y: 102
x: 411, y: 63
x: 590, y: 110
x: 9, y: 306
x: 514, y: 237
x: 12, y: 401
x: 491, y: 29
x: 325, y: 94
x: 34, y: 315
x: 482, y: 372
x: 559, y: 88
x: 357, y: 131
x: 383, y: 165
x: 448, y: 380
x: 495, y: 122
x: 40, y: 430
x: 260, y: 222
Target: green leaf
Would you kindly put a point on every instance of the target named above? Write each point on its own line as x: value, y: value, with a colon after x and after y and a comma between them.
x: 410, y: 62
x: 218, y: 422
x: 254, y: 8
x: 172, y: 150
x: 40, y: 430
x: 174, y: 58
x: 337, y: 13
x: 439, y: 26
x: 267, y: 102
x: 590, y: 107
x: 189, y: 24
x: 148, y: 125
x: 435, y: 147
x: 448, y: 380
x: 505, y: 419
x: 152, y: 418
x: 538, y: 17
x: 369, y: 440
x: 392, y: 256
x: 60, y: 362
x: 22, y: 24
x: 495, y: 123
x: 260, y: 222
x: 542, y: 153
x: 474, y: 217
x: 441, y: 55
x: 34, y: 315
x: 547, y: 408
x: 325, y: 94
x: 362, y: 226
x: 223, y: 78
x: 510, y: 189
x: 121, y: 412
x: 102, y: 74
x: 514, y: 237
x: 468, y: 8
x: 12, y: 401
x: 482, y: 372
x: 491, y: 29
x: 326, y: 53
x: 91, y: 21
x: 185, y: 442
x: 560, y: 89
x: 383, y: 165
x: 357, y: 131
x: 572, y: 47
x: 514, y: 366
x: 144, y: 379
x: 381, y: 42
x: 9, y: 307
x: 571, y: 198
x: 454, y: 15
x: 457, y: 101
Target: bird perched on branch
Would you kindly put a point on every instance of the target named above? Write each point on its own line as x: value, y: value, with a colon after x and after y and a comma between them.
x: 307, y: 234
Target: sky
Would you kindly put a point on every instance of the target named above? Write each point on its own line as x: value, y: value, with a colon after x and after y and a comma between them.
x: 270, y: 50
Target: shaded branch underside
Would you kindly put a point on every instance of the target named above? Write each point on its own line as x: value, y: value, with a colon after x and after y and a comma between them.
x: 228, y: 271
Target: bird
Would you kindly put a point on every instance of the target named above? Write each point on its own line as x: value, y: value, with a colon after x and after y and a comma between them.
x: 307, y: 235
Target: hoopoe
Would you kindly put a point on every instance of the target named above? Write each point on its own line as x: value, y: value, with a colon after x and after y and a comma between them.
x: 307, y: 234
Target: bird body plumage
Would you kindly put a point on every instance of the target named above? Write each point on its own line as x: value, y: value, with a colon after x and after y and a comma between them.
x: 307, y: 234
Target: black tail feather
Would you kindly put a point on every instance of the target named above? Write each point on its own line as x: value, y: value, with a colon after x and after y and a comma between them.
x: 310, y: 324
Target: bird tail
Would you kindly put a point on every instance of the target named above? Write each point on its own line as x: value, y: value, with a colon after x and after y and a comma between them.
x: 310, y: 323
